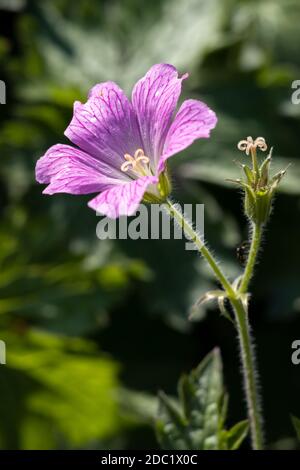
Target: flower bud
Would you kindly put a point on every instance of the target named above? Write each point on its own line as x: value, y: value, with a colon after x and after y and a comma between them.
x: 258, y: 186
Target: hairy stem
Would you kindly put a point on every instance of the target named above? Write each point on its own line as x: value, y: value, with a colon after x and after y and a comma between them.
x: 248, y: 273
x: 249, y: 374
x: 237, y: 299
x: 186, y: 225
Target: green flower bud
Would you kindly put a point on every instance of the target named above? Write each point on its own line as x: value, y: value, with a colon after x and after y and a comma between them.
x: 258, y: 187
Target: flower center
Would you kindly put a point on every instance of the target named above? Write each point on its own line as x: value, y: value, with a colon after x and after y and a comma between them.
x: 139, y: 163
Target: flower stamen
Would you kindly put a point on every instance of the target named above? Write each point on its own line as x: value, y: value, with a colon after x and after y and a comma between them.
x: 139, y: 162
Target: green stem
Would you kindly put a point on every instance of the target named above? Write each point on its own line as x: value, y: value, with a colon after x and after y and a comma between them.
x: 249, y: 374
x: 190, y: 232
x: 241, y: 317
x: 248, y: 273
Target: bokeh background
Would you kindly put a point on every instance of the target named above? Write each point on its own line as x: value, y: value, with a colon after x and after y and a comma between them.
x: 95, y: 328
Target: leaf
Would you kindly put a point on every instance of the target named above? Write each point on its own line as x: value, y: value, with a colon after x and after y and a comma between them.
x: 197, y: 420
x: 199, y: 23
x: 69, y: 49
x: 170, y: 425
x: 236, y: 434
x: 195, y: 423
x: 296, y: 424
x: 70, y: 295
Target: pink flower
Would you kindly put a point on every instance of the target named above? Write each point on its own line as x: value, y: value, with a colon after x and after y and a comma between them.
x: 123, y: 146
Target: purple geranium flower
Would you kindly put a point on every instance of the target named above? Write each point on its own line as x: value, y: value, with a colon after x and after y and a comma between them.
x: 123, y: 146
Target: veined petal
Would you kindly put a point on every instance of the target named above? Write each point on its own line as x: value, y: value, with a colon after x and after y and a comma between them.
x: 103, y: 89
x: 154, y: 99
x: 123, y: 199
x: 106, y: 125
x: 194, y: 120
x: 70, y: 170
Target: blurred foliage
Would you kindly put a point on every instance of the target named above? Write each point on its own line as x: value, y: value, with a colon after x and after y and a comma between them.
x: 296, y: 424
x: 65, y: 296
x: 43, y: 375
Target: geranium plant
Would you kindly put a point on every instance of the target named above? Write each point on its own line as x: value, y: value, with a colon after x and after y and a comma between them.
x: 120, y: 151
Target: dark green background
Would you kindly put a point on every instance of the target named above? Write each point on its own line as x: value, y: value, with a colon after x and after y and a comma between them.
x: 94, y: 329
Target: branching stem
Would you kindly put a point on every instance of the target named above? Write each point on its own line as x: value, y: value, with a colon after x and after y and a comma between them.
x: 238, y: 300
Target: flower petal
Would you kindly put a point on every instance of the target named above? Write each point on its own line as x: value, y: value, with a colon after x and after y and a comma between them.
x: 103, y: 89
x: 154, y: 99
x: 122, y: 199
x: 194, y: 120
x: 69, y: 170
x: 106, y: 125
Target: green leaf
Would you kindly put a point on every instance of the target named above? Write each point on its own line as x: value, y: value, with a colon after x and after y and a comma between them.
x: 194, y: 423
x: 170, y: 425
x: 197, y: 420
x: 296, y: 424
x: 237, y: 434
x: 201, y: 393
x: 69, y: 56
